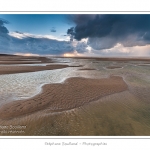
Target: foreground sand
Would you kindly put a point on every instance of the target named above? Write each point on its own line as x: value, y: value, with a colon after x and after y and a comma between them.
x: 73, y: 93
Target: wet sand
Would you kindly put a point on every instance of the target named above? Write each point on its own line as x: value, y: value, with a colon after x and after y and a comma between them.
x: 113, y: 67
x: 73, y: 93
x: 113, y: 59
x: 143, y: 65
x: 109, y: 102
x: 87, y: 69
x: 9, y: 60
x: 23, y: 69
x: 15, y: 59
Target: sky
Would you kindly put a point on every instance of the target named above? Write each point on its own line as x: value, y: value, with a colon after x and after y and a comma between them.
x: 101, y: 35
x: 38, y: 24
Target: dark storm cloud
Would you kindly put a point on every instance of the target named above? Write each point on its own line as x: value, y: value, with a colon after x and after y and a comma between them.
x: 3, y: 29
x: 105, y: 31
x: 80, y: 19
x: 70, y: 32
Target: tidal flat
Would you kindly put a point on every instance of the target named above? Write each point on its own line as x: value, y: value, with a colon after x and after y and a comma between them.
x: 74, y: 96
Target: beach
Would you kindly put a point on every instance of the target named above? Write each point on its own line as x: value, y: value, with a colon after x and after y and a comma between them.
x: 75, y: 96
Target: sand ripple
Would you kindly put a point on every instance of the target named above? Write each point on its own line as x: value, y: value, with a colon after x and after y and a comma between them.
x: 74, y: 92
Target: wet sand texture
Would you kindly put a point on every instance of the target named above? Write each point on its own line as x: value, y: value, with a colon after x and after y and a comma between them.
x: 73, y: 93
x: 113, y: 59
x: 13, y: 59
x: 144, y: 64
x: 113, y: 67
x: 87, y: 69
x: 22, y: 69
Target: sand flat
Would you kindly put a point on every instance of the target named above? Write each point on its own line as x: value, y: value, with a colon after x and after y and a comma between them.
x: 23, y: 69
x: 113, y: 67
x: 86, y: 103
x: 123, y: 59
x: 87, y: 69
x: 14, y: 59
x: 74, y: 92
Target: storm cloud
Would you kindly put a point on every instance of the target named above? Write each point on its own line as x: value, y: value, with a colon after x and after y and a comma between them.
x: 105, y: 31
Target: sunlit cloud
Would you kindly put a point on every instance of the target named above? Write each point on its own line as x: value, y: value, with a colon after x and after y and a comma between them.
x: 120, y: 51
x: 74, y: 54
x: 27, y: 35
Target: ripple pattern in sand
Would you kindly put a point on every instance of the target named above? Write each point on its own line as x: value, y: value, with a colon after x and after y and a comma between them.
x: 25, y: 85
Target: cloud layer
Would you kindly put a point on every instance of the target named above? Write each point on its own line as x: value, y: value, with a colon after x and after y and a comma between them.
x: 105, y: 31
x: 27, y: 43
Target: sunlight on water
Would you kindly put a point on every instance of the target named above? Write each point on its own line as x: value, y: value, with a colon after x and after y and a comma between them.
x: 24, y: 85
